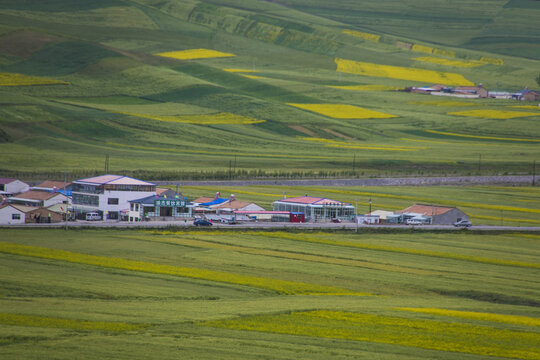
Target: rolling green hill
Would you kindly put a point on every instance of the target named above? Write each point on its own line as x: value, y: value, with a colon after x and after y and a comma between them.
x: 82, y: 80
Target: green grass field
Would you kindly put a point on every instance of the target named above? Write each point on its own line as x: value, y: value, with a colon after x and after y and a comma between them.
x: 284, y: 53
x: 281, y: 295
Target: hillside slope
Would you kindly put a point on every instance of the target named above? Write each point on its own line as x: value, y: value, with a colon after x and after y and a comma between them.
x: 235, y: 88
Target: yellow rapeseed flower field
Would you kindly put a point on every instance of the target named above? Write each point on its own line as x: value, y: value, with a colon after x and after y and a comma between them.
x: 343, y: 111
x: 419, y: 333
x: 493, y: 61
x: 41, y: 321
x: 442, y: 52
x: 239, y: 70
x: 508, y: 319
x: 398, y: 72
x: 12, y: 79
x: 422, y: 49
x: 493, y: 114
x: 192, y: 54
x: 479, y: 136
x: 455, y: 63
x: 363, y: 35
x: 279, y: 286
x: 206, y: 119
x: 373, y: 87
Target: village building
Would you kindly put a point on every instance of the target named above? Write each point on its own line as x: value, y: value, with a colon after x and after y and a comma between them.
x: 478, y: 91
x: 54, y: 186
x: 528, y: 95
x: 11, y: 215
x: 109, y: 195
x: 10, y: 187
x: 156, y: 207
x: 40, y: 215
x: 316, y: 208
x: 167, y: 192
x: 38, y: 198
x: 430, y: 214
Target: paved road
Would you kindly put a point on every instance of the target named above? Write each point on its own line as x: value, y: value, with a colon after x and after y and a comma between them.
x: 409, y: 181
x: 272, y: 225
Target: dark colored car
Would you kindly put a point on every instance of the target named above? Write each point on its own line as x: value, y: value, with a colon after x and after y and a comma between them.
x: 202, y: 222
x: 462, y: 223
x: 336, y: 220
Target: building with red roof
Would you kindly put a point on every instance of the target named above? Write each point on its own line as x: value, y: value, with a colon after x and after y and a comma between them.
x: 316, y: 208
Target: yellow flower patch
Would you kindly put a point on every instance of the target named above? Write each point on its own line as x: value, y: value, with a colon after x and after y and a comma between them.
x: 252, y: 76
x: 398, y: 72
x: 207, y: 119
x: 12, y: 79
x: 493, y: 114
x: 479, y: 137
x: 419, y: 333
x: 343, y: 111
x: 508, y: 319
x: 532, y: 107
x: 373, y: 87
x: 422, y: 49
x: 40, y: 321
x: 493, y: 61
x: 279, y: 286
x: 363, y: 35
x: 194, y: 54
x: 455, y: 63
x: 239, y: 70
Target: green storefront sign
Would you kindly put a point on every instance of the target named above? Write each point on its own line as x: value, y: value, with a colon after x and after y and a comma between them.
x: 170, y: 203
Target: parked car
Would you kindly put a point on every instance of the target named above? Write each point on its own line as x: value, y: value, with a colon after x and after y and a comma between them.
x: 202, y: 222
x: 336, y: 220
x: 93, y: 216
x: 414, y: 222
x: 462, y: 223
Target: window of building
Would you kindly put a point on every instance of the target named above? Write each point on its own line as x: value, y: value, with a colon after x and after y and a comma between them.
x: 112, y: 201
x: 81, y: 199
x: 15, y: 216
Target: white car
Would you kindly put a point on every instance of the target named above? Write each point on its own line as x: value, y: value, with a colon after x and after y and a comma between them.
x: 93, y: 216
x: 463, y: 223
x: 414, y: 222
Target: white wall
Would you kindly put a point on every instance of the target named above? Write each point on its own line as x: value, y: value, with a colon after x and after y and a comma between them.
x: 60, y: 198
x: 16, y: 187
x: 123, y: 198
x: 6, y: 216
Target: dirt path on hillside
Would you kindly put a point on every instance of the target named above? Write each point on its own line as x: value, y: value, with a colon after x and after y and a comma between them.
x: 522, y: 180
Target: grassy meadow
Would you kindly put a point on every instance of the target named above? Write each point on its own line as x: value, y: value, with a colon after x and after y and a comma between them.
x: 255, y: 294
x: 186, y: 89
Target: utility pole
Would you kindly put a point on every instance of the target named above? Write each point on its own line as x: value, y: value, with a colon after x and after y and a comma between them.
x: 230, y: 169
x: 107, y: 164
x: 479, y: 163
x: 356, y: 213
x: 534, y: 172
x: 67, y: 203
x: 234, y: 166
x: 369, y: 206
x: 354, y: 162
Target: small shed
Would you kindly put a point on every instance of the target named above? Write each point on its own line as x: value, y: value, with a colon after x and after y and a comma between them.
x: 10, y: 186
x: 438, y: 214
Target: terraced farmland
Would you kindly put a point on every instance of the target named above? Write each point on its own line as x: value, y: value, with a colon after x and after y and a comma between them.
x: 172, y: 90
x: 253, y: 294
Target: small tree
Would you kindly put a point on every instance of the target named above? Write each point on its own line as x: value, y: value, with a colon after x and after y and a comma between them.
x: 538, y: 79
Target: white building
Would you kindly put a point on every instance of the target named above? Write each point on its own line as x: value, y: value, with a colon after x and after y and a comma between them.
x: 109, y: 195
x: 10, y: 215
x: 316, y: 208
x: 12, y: 186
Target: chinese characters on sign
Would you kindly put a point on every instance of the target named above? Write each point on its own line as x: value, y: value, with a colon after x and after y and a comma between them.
x: 172, y: 203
